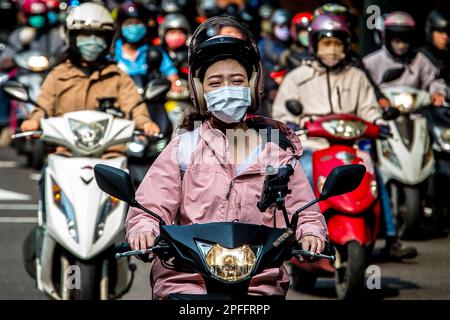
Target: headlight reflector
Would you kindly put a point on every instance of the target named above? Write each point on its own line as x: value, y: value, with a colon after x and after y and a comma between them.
x: 88, y: 136
x: 388, y: 153
x: 347, y: 129
x: 229, y: 264
x: 110, y: 204
x: 64, y: 205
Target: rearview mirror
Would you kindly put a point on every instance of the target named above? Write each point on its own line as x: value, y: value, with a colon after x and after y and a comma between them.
x: 294, y: 107
x: 118, y: 184
x: 16, y: 91
x: 342, y: 179
x: 115, y: 182
x: 157, y: 88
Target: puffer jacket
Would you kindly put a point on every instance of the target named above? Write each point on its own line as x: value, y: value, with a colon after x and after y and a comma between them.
x: 323, y: 92
x: 67, y: 88
x: 420, y: 73
x: 211, y: 191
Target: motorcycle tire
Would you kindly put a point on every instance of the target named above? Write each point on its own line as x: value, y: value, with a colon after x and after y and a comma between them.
x: 301, y: 280
x: 409, y: 227
x: 88, y: 281
x: 29, y: 253
x: 349, y: 278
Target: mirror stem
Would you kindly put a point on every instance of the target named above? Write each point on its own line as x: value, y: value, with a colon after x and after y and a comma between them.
x: 294, y: 220
x: 39, y: 107
x: 130, y: 113
x: 136, y: 204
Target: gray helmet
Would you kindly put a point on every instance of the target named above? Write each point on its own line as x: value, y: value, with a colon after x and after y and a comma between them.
x: 281, y: 17
x: 174, y: 21
x: 436, y: 21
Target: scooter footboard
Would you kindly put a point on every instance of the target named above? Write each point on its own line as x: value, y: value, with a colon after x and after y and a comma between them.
x: 343, y: 229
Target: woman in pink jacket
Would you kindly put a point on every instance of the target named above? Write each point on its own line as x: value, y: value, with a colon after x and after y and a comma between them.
x: 214, y: 171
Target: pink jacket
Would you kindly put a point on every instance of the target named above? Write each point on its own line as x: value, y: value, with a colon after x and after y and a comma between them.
x: 211, y: 191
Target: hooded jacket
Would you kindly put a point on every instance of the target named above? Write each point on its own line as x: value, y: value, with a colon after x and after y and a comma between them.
x: 207, y: 187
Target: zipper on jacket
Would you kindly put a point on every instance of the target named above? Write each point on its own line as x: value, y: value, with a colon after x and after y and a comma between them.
x: 228, y: 199
x: 329, y: 91
x: 339, y: 97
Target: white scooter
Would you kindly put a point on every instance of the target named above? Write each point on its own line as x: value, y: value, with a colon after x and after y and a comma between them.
x: 406, y: 159
x: 70, y: 253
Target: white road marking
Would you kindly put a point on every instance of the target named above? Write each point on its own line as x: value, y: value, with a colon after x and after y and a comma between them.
x: 35, y: 176
x: 14, y: 206
x: 18, y: 220
x: 11, y: 195
x: 9, y: 164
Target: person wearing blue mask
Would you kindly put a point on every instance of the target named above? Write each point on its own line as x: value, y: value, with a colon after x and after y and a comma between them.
x: 53, y: 12
x: 132, y: 50
x: 35, y: 34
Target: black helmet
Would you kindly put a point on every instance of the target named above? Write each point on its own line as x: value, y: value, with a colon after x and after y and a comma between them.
x: 436, y: 21
x: 131, y: 9
x: 209, y: 45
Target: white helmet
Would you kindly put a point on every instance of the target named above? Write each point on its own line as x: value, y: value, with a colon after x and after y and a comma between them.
x: 89, y: 16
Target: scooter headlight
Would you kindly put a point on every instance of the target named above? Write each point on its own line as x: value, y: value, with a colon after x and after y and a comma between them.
x: 443, y: 135
x: 88, y: 136
x: 404, y: 102
x: 38, y: 63
x: 229, y: 264
x: 388, y: 153
x: 64, y: 205
x: 347, y: 129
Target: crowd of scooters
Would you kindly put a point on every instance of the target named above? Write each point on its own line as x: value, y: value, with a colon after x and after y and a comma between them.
x: 387, y: 110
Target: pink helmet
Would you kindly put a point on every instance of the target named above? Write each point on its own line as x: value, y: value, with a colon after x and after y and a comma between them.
x: 399, y: 25
x: 32, y: 7
x: 329, y: 25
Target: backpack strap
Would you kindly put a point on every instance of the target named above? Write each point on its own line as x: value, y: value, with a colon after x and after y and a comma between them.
x: 188, y: 143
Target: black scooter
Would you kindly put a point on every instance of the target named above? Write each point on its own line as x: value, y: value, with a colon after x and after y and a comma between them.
x: 438, y: 120
x: 229, y: 254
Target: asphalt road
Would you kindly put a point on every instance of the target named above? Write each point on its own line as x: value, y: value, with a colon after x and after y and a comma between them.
x: 426, y: 277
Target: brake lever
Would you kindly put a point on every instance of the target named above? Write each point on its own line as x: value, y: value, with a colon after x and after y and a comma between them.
x: 26, y: 134
x: 312, y: 255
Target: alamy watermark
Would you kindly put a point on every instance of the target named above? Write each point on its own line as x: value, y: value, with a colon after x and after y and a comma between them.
x: 373, y: 280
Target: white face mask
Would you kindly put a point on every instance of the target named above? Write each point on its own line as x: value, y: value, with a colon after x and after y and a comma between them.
x: 228, y: 104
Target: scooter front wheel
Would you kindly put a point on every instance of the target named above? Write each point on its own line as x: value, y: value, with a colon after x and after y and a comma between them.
x: 411, y: 216
x: 302, y: 281
x: 349, y: 276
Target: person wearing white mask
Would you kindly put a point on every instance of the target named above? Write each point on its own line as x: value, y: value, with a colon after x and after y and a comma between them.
x: 327, y: 84
x: 208, y: 174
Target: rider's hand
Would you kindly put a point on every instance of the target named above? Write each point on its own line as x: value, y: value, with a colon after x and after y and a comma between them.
x: 312, y: 244
x: 438, y: 99
x: 384, y: 103
x: 142, y: 240
x: 176, y: 86
x: 151, y: 128
x: 29, y: 125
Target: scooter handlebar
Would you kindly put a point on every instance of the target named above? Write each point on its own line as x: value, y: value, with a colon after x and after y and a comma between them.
x: 26, y: 134
x: 142, y: 133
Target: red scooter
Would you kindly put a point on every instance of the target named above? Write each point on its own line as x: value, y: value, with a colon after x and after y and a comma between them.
x: 353, y: 218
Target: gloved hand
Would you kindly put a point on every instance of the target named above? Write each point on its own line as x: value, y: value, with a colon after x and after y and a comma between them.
x: 384, y: 131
